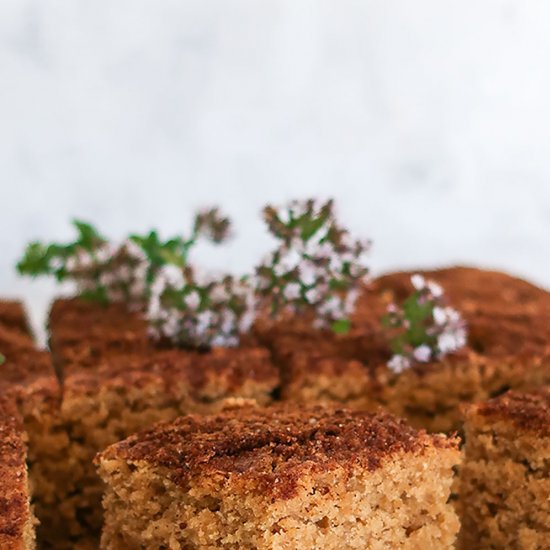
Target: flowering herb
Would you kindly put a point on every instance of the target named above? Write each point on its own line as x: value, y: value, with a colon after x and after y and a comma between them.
x: 425, y: 328
x: 208, y: 224
x: 199, y: 312
x: 212, y: 225
x: 40, y: 259
x: 316, y: 266
x: 106, y: 272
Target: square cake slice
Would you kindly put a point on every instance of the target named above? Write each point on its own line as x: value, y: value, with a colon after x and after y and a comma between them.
x: 280, y: 478
x: 16, y: 518
x: 508, y: 322
x: 505, y: 478
x: 27, y: 377
x: 116, y: 381
x: 12, y: 315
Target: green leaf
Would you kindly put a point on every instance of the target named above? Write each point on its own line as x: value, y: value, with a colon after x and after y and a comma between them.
x: 310, y: 226
x: 342, y: 326
x: 38, y: 258
x: 171, y: 252
x: 35, y: 260
x: 98, y: 295
x: 2, y: 359
x: 338, y: 284
x: 88, y: 236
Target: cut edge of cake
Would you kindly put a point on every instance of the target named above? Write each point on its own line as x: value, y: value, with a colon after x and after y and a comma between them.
x: 505, y: 477
x: 280, y: 478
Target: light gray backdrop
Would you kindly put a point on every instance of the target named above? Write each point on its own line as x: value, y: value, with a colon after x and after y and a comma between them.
x: 428, y: 121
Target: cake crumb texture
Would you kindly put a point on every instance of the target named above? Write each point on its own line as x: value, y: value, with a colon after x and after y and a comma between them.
x: 508, y: 322
x: 505, y: 478
x: 280, y: 478
x: 27, y: 378
x: 17, y: 521
x: 117, y: 382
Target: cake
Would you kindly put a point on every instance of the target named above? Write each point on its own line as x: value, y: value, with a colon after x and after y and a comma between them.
x: 254, y: 475
x: 280, y: 478
x: 12, y: 315
x: 17, y: 521
x: 508, y: 322
x: 27, y: 377
x: 115, y: 382
x: 509, y: 329
x: 505, y: 478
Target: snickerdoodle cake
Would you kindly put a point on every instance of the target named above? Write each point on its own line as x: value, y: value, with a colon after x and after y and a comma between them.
x: 508, y: 322
x: 115, y: 382
x: 17, y: 521
x: 28, y: 378
x: 280, y: 478
x: 12, y: 315
x: 505, y: 478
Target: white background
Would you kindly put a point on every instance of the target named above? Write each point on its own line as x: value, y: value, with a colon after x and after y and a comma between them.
x: 428, y: 121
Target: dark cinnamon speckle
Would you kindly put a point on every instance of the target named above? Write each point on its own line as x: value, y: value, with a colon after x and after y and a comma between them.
x: 273, y: 445
x: 528, y: 411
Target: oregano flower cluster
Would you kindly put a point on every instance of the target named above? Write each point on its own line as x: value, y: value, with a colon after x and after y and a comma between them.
x: 118, y: 272
x: 316, y: 266
x: 424, y: 327
x: 111, y: 273
x: 129, y: 271
x: 200, y: 310
x: 100, y: 270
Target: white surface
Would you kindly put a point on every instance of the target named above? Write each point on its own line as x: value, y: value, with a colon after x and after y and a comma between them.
x: 428, y: 120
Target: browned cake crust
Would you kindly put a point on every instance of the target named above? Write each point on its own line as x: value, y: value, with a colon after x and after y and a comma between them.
x: 505, y: 478
x: 509, y: 330
x: 12, y: 315
x: 14, y: 330
x: 28, y: 371
x: 530, y: 412
x: 12, y: 340
x: 16, y: 518
x: 24, y: 364
x: 112, y: 343
x: 174, y: 371
x: 28, y: 377
x: 273, y: 444
x: 81, y: 332
x: 116, y: 381
x: 280, y: 478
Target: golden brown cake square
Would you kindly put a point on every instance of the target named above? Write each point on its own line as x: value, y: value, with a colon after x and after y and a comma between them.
x: 17, y: 521
x: 508, y: 320
x: 115, y: 382
x: 27, y: 377
x: 13, y: 316
x: 254, y: 478
x: 505, y: 478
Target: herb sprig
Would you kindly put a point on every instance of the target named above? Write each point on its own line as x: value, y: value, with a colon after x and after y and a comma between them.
x: 194, y: 310
x: 316, y: 266
x: 423, y: 327
x: 106, y: 272
x: 52, y: 259
x: 209, y: 224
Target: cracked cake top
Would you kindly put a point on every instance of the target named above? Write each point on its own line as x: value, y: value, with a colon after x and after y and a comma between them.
x: 273, y: 446
x: 528, y: 411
